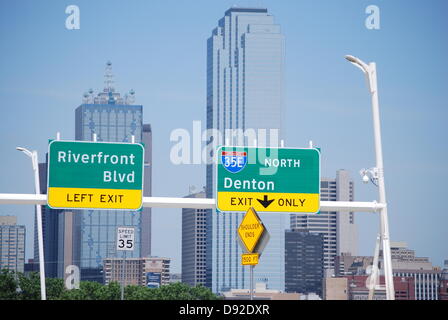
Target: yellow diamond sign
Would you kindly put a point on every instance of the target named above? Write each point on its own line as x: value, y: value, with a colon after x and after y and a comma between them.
x: 250, y: 230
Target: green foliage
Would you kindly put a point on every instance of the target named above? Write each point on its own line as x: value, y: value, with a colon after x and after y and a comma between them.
x: 55, y: 288
x: 8, y: 285
x: 112, y: 291
x: 139, y: 293
x: 20, y: 287
x: 182, y: 291
x: 29, y: 287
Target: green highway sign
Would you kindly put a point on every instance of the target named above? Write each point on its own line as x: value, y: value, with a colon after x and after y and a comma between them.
x: 268, y: 179
x: 95, y: 175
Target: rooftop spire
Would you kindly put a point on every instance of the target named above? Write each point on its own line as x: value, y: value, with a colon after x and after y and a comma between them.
x: 108, y: 78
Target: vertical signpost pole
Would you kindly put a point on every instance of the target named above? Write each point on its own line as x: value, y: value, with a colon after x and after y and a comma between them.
x: 123, y: 275
x: 251, y: 282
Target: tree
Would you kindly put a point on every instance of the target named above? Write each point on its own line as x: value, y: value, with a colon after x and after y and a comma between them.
x: 133, y: 292
x: 182, y: 291
x: 55, y: 288
x: 90, y: 290
x: 203, y: 293
x: 29, y: 286
x: 112, y: 291
x: 8, y: 285
x: 18, y: 286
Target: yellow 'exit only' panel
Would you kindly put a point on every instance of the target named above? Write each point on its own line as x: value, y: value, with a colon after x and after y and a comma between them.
x: 268, y: 202
x: 65, y: 198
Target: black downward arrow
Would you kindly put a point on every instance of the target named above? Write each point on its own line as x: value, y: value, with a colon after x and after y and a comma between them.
x: 265, y: 202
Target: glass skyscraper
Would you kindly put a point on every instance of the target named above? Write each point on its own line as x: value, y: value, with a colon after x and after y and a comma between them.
x: 114, y: 119
x: 245, y: 57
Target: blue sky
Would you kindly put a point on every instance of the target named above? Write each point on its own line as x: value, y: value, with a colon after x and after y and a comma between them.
x: 158, y: 48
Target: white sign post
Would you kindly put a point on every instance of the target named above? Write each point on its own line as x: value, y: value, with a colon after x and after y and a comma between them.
x: 125, y: 242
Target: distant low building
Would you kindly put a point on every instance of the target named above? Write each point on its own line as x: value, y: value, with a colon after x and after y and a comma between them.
x: 335, y: 288
x: 260, y: 293
x: 419, y: 272
x: 443, y: 287
x: 150, y: 272
x: 355, y: 288
x: 424, y: 274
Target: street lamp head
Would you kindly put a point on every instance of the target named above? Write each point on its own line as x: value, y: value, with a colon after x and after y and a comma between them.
x: 358, y: 63
x: 351, y: 58
x: 25, y: 151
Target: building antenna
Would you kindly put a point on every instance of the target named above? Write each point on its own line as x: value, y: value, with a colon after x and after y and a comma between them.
x: 109, y: 78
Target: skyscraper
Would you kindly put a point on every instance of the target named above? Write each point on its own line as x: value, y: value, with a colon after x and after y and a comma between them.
x: 115, y: 119
x: 338, y: 228
x: 193, y: 243
x: 303, y: 262
x: 12, y: 244
x: 245, y: 57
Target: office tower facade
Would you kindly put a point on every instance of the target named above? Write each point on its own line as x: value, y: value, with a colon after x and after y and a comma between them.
x: 245, y: 58
x: 338, y: 228
x: 304, y: 253
x: 194, y: 244
x: 111, y: 118
x: 12, y: 244
x: 148, y: 271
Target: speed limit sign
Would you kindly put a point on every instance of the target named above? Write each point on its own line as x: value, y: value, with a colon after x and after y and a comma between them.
x: 125, y: 238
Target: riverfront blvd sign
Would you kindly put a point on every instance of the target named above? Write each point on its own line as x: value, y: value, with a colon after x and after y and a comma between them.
x: 268, y: 179
x: 95, y: 175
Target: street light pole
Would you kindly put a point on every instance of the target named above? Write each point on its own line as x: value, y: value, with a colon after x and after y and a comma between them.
x: 34, y: 159
x: 370, y: 72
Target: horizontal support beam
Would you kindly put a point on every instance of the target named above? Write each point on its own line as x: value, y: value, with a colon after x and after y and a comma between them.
x: 21, y: 198
x: 196, y: 203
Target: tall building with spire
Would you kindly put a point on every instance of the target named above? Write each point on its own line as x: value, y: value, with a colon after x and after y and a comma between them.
x: 111, y: 118
x: 245, y: 58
